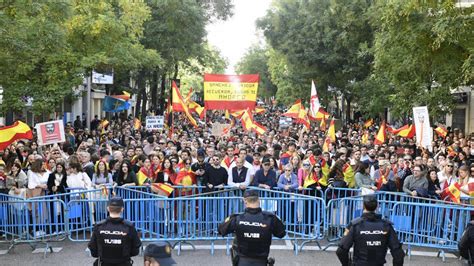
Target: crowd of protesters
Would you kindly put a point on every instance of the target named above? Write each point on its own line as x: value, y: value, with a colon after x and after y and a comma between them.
x: 289, y: 159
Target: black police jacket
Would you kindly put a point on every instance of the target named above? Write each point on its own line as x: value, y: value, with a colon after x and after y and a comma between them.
x: 114, y: 240
x: 466, y: 244
x: 371, y: 236
x: 253, y: 232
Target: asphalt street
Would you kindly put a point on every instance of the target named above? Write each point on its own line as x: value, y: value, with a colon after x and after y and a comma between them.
x: 75, y: 254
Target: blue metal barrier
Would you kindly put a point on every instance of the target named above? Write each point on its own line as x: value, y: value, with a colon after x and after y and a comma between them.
x: 427, y: 225
x: 337, y: 193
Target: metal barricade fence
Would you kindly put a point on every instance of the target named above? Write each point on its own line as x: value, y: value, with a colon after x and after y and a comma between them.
x: 32, y: 221
x: 336, y: 193
x: 437, y: 226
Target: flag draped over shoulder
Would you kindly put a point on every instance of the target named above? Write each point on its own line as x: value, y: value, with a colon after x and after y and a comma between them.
x: 323, y: 181
x: 185, y: 178
x: 179, y: 104
x: 17, y: 131
x: 144, y: 176
x: 349, y: 175
x: 381, y: 135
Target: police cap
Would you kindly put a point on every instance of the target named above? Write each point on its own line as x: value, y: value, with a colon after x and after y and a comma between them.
x: 161, y: 252
x: 251, y: 194
x: 116, y: 202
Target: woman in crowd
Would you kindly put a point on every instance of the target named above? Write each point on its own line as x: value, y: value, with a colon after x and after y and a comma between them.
x: 308, y: 177
x: 167, y: 174
x: 145, y: 174
x: 336, y: 175
x: 363, y: 179
x: 126, y: 177
x: 57, y: 185
x: 295, y: 163
x: 37, y: 178
x: 288, y: 181
x: 77, y: 179
x: 434, y: 190
x: 465, y: 180
x: 155, y: 164
x: 102, y: 177
x: 17, y: 181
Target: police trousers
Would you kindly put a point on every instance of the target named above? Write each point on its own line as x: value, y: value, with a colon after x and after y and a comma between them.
x: 99, y: 263
x: 244, y: 261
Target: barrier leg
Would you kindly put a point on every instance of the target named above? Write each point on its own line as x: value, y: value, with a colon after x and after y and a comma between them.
x: 310, y: 241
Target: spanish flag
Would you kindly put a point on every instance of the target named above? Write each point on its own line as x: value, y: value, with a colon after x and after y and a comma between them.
x: 349, y: 175
x: 237, y: 113
x: 381, y: 136
x: 259, y: 129
x: 259, y: 110
x: 137, y: 124
x: 322, y: 126
x: 10, y: 134
x: 185, y: 178
x: 441, y: 131
x: 453, y: 192
x: 144, y: 176
x: 180, y: 105
x: 332, y: 131
x: 188, y: 97
x: 294, y: 111
x: 162, y: 189
x: 327, y: 141
x: 365, y: 138
x: 323, y: 181
x: 309, y: 180
x: 407, y: 131
x: 197, y: 108
x: 369, y: 123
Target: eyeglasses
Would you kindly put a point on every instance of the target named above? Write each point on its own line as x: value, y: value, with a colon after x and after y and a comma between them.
x: 266, y: 164
x: 317, y: 166
x: 306, y: 165
x: 287, y: 170
x: 449, y: 165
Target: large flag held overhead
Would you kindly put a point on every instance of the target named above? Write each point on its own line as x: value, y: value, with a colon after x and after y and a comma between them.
x: 235, y: 92
x: 298, y: 112
x: 332, y: 131
x: 407, y: 131
x: 314, y: 101
x: 441, y: 131
x: 113, y: 104
x: 10, y: 134
x: 381, y: 135
x: 178, y: 103
x: 322, y: 114
x: 250, y: 125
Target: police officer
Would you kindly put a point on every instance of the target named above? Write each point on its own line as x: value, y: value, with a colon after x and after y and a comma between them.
x: 114, y: 240
x: 466, y: 244
x: 370, y: 235
x: 253, y: 230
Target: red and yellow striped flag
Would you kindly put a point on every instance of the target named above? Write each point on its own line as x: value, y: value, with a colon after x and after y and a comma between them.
x: 407, y: 131
x: 332, y: 131
x: 381, y: 135
x: 441, y: 131
x: 259, y: 110
x: 162, y: 189
x: 365, y: 138
x: 453, y: 192
x: 369, y: 123
x: 10, y: 134
x: 179, y: 104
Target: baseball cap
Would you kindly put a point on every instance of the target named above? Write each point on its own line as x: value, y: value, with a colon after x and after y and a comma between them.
x: 161, y: 252
x: 116, y: 202
x: 251, y: 193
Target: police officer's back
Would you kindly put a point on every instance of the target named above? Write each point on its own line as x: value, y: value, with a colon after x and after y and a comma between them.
x: 114, y: 240
x: 253, y: 232
x: 371, y: 236
x: 466, y: 244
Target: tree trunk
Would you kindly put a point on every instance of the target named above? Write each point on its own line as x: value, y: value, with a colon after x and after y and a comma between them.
x: 163, y: 93
x: 348, y: 109
x: 141, y: 89
x: 154, y: 90
x: 176, y: 68
x: 144, y: 101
